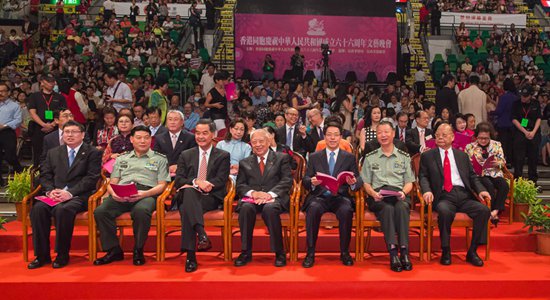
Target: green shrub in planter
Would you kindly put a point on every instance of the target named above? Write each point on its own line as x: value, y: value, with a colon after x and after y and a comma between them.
x: 525, y: 191
x: 19, y: 185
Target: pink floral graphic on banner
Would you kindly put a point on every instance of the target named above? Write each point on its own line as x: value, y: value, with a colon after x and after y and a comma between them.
x: 360, y: 44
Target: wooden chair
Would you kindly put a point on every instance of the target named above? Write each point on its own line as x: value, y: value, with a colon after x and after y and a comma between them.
x: 510, y: 198
x: 172, y: 219
x: 85, y: 218
x: 123, y: 221
x: 287, y: 222
x: 327, y: 220
x: 417, y: 215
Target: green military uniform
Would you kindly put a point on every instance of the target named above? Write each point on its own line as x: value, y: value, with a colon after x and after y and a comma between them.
x: 390, y: 173
x: 145, y: 171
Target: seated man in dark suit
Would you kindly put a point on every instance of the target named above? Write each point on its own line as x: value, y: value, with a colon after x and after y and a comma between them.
x: 294, y: 134
x: 416, y: 137
x: 331, y: 161
x: 201, y: 176
x: 263, y: 185
x: 154, y: 114
x: 402, y: 127
x: 176, y: 140
x: 68, y: 175
x: 447, y: 179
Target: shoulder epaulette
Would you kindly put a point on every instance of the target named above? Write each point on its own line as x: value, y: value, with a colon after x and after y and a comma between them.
x: 160, y: 154
x: 371, y: 153
x: 403, y: 152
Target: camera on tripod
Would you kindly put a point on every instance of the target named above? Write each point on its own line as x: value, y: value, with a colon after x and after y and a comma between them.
x: 325, y: 51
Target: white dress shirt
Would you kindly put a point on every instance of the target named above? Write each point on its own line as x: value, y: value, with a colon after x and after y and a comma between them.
x: 455, y: 175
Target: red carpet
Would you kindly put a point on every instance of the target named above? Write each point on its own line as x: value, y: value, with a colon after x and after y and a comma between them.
x: 513, y: 272
x: 509, y: 275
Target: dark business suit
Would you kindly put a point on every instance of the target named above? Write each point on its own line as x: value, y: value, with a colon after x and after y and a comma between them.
x: 299, y: 144
x: 320, y: 201
x: 277, y: 178
x: 398, y: 133
x: 315, y: 138
x: 191, y: 203
x: 460, y: 199
x: 80, y: 179
x: 163, y: 144
x: 412, y: 139
x: 51, y: 140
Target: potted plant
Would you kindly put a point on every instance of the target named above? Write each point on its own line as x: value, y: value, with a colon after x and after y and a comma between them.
x: 538, y: 220
x: 2, y: 222
x: 19, y: 185
x: 525, y: 191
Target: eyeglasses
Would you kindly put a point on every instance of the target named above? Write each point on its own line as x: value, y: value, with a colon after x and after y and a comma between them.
x: 71, y: 132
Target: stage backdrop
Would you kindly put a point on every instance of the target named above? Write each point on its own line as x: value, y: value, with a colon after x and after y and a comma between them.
x: 359, y: 44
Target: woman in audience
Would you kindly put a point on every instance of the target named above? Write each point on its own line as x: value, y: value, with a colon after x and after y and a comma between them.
x: 107, y: 129
x: 460, y: 125
x: 372, y: 118
x: 488, y: 160
x: 120, y: 143
x: 233, y: 144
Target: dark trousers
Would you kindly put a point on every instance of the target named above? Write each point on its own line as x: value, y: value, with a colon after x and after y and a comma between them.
x: 506, y: 138
x: 8, y: 149
x: 407, y: 63
x: 198, y: 31
x: 342, y: 207
x: 210, y: 18
x: 420, y: 87
x: 298, y: 73
x: 423, y: 26
x: 526, y: 148
x: 394, y: 216
x: 60, y: 21
x: 105, y: 216
x: 192, y: 206
x: 271, y: 215
x: 436, y: 29
x: 37, y: 139
x: 460, y: 200
x: 498, y: 189
x: 64, y: 216
x: 107, y: 14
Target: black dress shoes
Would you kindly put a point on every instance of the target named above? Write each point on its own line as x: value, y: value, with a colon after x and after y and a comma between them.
x: 474, y: 259
x: 139, y: 258
x: 395, y: 264
x: 445, y: 258
x: 204, y: 243
x: 346, y: 259
x: 60, y: 261
x: 309, y: 261
x: 243, y: 259
x: 406, y: 262
x: 190, y: 266
x: 280, y: 260
x: 111, y: 256
x: 37, y: 263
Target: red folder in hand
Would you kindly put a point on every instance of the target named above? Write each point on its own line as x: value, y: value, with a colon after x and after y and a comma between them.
x: 47, y: 200
x: 108, y: 166
x: 478, y: 168
x: 125, y: 190
x: 461, y: 140
x: 388, y: 193
x: 333, y: 184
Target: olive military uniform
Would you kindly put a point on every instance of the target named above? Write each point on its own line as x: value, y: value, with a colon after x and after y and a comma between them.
x: 390, y: 173
x: 145, y: 171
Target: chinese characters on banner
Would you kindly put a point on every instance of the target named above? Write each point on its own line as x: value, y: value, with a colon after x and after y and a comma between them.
x: 360, y: 44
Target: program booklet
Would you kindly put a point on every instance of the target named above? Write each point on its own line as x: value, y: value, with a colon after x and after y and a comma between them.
x: 331, y: 183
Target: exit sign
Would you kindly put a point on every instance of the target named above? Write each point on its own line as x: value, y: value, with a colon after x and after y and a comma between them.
x: 68, y: 2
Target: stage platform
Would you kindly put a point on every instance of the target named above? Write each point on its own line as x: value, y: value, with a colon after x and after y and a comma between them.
x: 513, y: 272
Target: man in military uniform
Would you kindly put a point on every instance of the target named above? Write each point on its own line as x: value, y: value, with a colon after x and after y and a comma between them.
x: 388, y: 179
x: 149, y: 171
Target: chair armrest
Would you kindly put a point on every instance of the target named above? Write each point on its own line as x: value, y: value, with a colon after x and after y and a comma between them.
x: 26, y: 203
x: 93, y: 200
x: 419, y: 195
x: 228, y: 201
x: 168, y: 190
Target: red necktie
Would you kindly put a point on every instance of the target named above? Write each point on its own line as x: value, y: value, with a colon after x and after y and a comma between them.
x: 401, y: 138
x: 262, y: 165
x: 447, y: 180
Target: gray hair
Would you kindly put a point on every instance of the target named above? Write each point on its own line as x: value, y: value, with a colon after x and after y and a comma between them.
x: 262, y: 131
x: 174, y: 111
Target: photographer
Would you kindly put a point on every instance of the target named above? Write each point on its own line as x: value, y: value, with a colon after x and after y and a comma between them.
x: 297, y: 64
x: 119, y: 94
